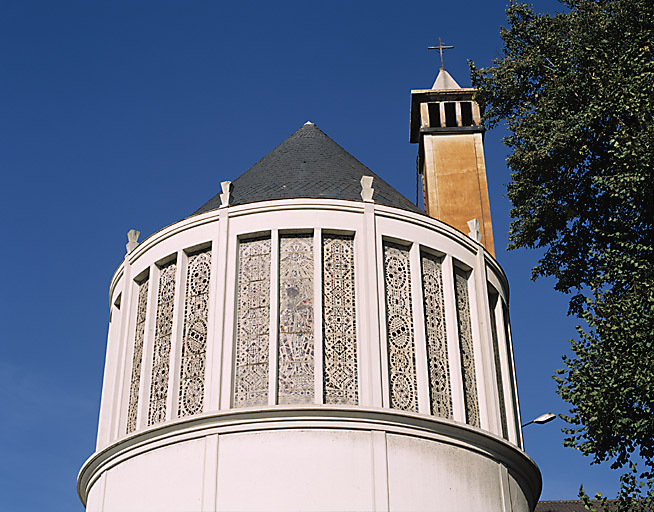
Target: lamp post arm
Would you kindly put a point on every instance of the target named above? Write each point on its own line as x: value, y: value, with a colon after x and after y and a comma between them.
x: 543, y: 418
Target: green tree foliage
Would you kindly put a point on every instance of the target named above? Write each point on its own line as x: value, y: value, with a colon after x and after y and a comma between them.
x: 576, y: 91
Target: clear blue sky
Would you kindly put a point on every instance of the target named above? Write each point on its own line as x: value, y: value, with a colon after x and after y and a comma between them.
x: 128, y: 114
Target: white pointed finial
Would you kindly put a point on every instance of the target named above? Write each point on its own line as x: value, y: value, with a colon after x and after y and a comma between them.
x: 224, y: 195
x: 309, y: 122
x: 132, y: 240
x: 474, y: 226
x: 366, y: 189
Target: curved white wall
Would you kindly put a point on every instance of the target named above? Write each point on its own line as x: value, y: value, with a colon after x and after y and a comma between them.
x: 310, y: 459
x: 379, y: 457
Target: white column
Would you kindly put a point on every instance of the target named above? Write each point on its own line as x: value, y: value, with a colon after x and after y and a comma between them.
x: 502, y: 348
x: 362, y: 319
x: 476, y: 114
x: 228, y: 248
x: 109, y: 400
x: 512, y: 375
x: 177, y: 336
x: 484, y: 361
x: 318, y: 351
x: 125, y: 346
x: 453, y: 350
x: 419, y: 338
x: 424, y: 116
x: 216, y: 313
x: 274, y: 317
x: 371, y: 355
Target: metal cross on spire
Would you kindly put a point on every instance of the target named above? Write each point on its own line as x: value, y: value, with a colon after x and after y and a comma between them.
x: 440, y: 48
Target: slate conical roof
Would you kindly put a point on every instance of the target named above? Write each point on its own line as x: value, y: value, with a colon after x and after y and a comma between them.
x: 308, y: 165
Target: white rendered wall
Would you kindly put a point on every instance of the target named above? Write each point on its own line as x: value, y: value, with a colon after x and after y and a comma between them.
x: 359, y: 462
x: 168, y: 478
x: 425, y: 474
x: 295, y: 470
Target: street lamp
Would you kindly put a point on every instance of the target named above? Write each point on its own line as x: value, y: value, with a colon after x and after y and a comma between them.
x: 543, y: 418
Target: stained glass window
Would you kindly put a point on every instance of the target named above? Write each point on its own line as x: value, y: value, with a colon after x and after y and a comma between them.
x: 296, y: 344
x: 194, y: 343
x: 438, y: 367
x: 162, y: 340
x: 137, y: 358
x: 339, y: 321
x: 399, y: 327
x: 492, y: 300
x: 252, y: 323
x: 470, y: 400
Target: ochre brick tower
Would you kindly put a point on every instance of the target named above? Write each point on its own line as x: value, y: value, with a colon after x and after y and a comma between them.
x: 445, y: 123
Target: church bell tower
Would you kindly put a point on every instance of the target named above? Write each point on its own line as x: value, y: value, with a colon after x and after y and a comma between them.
x: 445, y: 123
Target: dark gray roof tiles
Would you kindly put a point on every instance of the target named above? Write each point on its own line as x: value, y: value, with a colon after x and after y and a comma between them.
x: 308, y: 165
